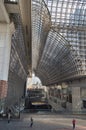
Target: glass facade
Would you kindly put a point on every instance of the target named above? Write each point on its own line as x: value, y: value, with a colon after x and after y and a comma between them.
x: 18, y: 66
x: 40, y: 27
x: 63, y: 55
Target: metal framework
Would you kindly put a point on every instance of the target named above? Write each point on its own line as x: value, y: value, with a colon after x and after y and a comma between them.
x: 18, y: 59
x: 40, y: 26
x: 63, y: 55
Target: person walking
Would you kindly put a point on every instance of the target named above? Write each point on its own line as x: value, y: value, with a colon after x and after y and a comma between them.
x: 31, y: 123
x: 74, y: 123
x: 9, y: 115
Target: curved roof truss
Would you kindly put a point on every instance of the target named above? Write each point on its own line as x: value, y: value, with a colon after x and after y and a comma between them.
x: 59, y: 39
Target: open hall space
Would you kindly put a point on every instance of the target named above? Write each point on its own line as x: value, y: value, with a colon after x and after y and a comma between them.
x: 44, y: 121
x: 42, y: 64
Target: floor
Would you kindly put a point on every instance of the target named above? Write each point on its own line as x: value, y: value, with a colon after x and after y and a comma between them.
x: 44, y: 121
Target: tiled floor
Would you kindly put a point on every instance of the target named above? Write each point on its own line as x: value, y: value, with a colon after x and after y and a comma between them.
x: 44, y: 122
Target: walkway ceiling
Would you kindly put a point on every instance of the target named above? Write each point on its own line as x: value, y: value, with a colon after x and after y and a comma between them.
x: 58, y: 39
x: 4, y: 17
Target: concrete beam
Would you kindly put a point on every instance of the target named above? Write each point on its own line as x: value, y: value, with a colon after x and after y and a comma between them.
x: 4, y: 17
x: 12, y: 8
x: 69, y: 27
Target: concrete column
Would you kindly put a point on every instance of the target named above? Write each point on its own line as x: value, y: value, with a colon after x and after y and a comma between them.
x: 4, y: 16
x: 5, y: 47
x: 76, y: 99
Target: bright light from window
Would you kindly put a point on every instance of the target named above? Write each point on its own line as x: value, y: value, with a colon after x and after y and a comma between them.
x: 13, y: 0
x: 33, y: 75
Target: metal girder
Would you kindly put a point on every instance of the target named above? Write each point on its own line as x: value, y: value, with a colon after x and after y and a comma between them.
x: 69, y: 27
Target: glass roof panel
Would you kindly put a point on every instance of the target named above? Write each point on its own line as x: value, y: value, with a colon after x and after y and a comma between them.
x: 59, y: 39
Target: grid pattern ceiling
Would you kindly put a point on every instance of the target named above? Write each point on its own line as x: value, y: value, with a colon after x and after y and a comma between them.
x: 67, y: 12
x: 40, y: 26
x: 63, y: 55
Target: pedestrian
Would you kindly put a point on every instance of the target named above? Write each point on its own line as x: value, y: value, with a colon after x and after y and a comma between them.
x: 74, y: 123
x: 9, y: 115
x: 31, y: 122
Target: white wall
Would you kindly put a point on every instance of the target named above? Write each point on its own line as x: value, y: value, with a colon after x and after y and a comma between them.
x: 5, y: 45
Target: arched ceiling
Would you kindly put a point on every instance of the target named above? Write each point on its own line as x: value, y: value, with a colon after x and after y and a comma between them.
x: 41, y: 23
x: 58, y: 39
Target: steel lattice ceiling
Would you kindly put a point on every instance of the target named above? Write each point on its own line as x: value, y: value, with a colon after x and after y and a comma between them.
x: 58, y: 39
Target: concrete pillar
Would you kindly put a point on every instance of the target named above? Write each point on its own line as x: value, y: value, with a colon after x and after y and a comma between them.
x: 76, y: 99
x: 5, y: 47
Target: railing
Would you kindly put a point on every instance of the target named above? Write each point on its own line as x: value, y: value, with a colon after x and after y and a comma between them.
x: 11, y: 1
